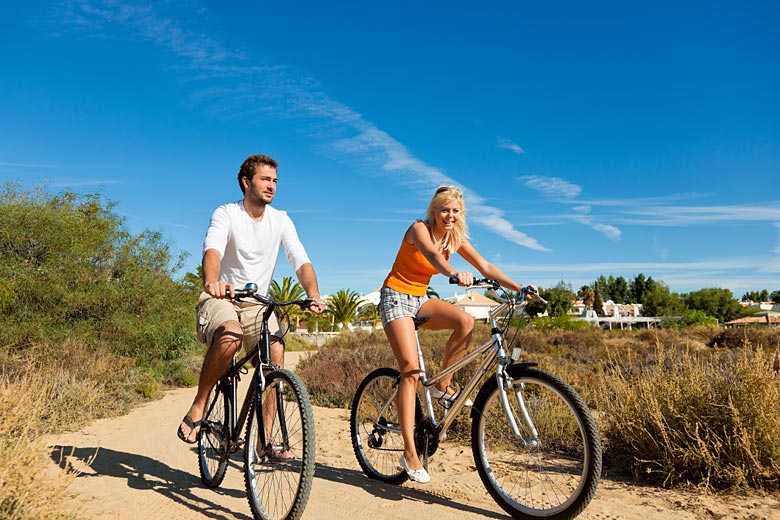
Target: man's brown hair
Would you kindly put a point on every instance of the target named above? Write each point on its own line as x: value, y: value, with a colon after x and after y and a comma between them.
x: 249, y: 167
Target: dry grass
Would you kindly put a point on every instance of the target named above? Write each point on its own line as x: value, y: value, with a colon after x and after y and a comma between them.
x: 46, y: 389
x: 27, y: 492
x: 674, y: 406
x: 701, y: 418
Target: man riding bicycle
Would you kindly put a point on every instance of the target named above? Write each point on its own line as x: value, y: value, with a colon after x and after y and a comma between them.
x: 242, y: 245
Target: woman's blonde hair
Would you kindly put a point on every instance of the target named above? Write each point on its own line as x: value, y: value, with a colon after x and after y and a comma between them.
x: 450, y: 240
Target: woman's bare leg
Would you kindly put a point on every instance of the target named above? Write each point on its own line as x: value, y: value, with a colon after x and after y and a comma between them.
x: 400, y: 333
x: 442, y: 315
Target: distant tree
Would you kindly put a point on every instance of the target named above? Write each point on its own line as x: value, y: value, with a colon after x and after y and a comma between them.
x: 602, y: 286
x: 717, y: 302
x: 559, y: 299
x: 659, y: 301
x: 587, y: 294
x: 598, y: 302
x: 619, y: 290
x: 368, y: 312
x: 637, y: 287
x: 343, y: 306
x: 696, y: 317
x: 757, y: 296
x: 319, y: 322
x: 775, y: 297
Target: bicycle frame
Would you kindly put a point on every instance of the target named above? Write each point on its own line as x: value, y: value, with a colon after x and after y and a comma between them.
x: 499, y: 357
x: 495, y: 343
x: 230, y: 379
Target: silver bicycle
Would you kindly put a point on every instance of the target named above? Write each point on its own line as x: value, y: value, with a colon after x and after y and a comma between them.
x: 534, y: 441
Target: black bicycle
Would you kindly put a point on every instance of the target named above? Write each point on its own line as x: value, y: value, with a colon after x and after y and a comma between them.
x: 278, y: 442
x: 535, y: 443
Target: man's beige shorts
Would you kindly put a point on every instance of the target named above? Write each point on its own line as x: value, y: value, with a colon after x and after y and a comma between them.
x: 213, y: 312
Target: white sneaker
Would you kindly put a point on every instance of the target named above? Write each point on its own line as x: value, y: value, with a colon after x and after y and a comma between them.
x: 416, y: 475
x: 438, y: 394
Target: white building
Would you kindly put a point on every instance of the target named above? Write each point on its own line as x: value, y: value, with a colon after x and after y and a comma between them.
x: 477, y: 305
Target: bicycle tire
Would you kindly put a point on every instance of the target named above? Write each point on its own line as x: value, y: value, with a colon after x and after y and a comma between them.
x: 279, y: 479
x: 378, y: 450
x: 557, y: 477
x: 214, y: 436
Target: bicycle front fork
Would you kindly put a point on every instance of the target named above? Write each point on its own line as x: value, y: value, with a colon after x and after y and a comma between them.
x: 506, y: 385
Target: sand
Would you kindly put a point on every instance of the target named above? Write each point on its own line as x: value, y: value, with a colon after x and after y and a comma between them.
x: 135, y: 467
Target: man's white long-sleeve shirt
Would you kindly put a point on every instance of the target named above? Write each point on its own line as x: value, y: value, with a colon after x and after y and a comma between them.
x: 248, y: 248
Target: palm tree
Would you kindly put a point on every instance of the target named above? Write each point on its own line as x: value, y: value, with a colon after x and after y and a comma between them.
x: 344, y: 306
x: 588, y: 296
x: 369, y: 312
x: 288, y: 290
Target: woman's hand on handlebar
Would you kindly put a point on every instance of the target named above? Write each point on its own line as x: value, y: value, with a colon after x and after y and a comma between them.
x: 464, y: 279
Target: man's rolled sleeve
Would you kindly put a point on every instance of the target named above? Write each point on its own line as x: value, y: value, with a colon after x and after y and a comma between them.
x: 218, y: 231
x: 293, y: 248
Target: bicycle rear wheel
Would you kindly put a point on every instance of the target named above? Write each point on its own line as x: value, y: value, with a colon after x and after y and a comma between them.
x: 374, y: 428
x: 279, y: 463
x: 551, y: 475
x: 214, y: 436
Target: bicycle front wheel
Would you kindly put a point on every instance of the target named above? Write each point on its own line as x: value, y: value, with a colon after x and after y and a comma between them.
x: 214, y: 436
x: 550, y: 473
x: 279, y: 460
x: 374, y: 427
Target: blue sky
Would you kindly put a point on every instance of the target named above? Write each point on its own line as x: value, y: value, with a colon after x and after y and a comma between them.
x: 591, y: 138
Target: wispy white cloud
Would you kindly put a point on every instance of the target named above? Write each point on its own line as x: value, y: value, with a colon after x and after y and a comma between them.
x: 666, y: 215
x: 83, y: 183
x: 25, y: 165
x: 738, y: 274
x: 565, y: 192
x: 553, y: 187
x: 645, y: 211
x: 662, y: 211
x: 659, y: 248
x: 509, y: 145
x: 274, y: 91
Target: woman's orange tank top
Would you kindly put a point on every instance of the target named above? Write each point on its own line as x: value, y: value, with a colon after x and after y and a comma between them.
x: 411, y: 272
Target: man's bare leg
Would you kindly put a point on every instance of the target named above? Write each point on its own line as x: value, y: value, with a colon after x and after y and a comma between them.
x: 227, y: 341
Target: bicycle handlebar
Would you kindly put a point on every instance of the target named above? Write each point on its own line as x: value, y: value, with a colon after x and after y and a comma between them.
x: 479, y: 283
x: 529, y: 291
x: 250, y: 291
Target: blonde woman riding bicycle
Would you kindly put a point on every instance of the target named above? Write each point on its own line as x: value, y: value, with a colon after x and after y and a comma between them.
x: 425, y: 250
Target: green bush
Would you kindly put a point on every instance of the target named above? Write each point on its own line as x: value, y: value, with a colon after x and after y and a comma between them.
x: 70, y: 270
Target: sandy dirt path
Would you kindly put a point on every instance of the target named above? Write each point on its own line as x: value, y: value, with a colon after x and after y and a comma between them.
x: 135, y: 467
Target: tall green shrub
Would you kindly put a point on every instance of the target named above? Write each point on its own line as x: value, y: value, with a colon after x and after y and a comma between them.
x: 70, y: 269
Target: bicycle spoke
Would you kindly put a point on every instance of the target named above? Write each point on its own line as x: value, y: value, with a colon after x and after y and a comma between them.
x: 280, y: 456
x: 213, y: 438
x: 374, y: 428
x: 553, y: 473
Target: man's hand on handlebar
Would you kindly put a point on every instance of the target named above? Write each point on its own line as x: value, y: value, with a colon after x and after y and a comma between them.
x: 219, y: 289
x: 317, y: 306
